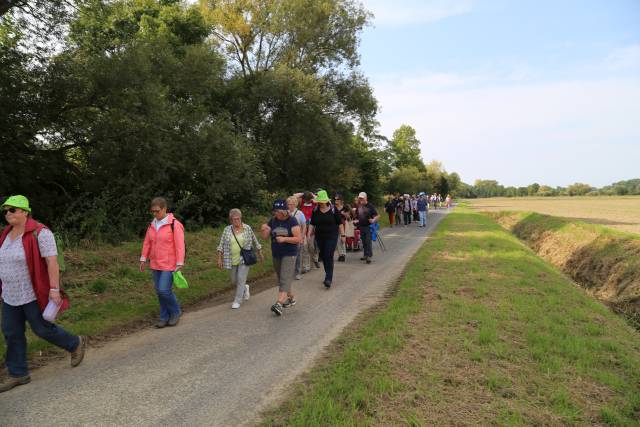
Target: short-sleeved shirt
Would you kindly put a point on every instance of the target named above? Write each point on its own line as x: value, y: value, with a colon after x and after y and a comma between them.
x: 365, y: 213
x: 282, y: 228
x: 327, y: 224
x: 299, y: 215
x: 17, y: 288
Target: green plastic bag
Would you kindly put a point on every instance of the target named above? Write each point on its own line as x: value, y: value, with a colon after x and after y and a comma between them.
x: 179, y: 280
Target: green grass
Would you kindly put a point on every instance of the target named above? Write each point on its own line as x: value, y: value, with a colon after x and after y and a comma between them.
x: 480, y: 331
x: 108, y: 292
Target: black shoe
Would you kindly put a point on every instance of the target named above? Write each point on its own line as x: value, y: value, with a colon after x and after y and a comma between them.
x: 288, y: 303
x: 341, y: 258
x: 173, y: 321
x: 12, y: 382
x: 277, y: 309
x: 368, y: 260
x: 363, y: 258
x: 161, y: 323
x: 327, y: 284
x: 316, y: 263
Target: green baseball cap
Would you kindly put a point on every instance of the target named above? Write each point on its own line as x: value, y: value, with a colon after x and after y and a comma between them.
x: 19, y: 202
x: 322, y: 197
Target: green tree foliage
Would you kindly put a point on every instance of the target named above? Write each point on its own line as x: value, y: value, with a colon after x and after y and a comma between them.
x: 579, y: 189
x: 405, y: 148
x: 144, y: 98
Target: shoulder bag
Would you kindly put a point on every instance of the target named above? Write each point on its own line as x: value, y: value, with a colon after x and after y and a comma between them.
x: 248, y: 255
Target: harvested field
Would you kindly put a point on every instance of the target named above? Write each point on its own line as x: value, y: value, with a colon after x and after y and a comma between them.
x: 622, y: 213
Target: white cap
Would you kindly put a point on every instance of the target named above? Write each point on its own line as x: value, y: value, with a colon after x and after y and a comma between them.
x: 362, y: 195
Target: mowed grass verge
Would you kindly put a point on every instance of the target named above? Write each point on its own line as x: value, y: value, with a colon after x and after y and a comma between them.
x: 479, y: 331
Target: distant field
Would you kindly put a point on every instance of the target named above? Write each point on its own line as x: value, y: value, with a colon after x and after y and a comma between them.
x: 622, y: 213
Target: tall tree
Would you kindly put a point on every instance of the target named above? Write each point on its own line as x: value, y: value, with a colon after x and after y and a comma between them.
x: 405, y: 148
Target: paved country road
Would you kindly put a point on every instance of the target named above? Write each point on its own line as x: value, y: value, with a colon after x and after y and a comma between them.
x: 217, y: 367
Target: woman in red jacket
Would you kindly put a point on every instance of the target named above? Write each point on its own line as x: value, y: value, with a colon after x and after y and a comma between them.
x: 164, y: 247
x: 29, y: 279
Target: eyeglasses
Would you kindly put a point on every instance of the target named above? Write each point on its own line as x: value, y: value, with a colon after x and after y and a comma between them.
x: 155, y: 211
x: 10, y: 210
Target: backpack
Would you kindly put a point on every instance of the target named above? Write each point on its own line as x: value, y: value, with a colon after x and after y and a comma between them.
x: 185, y: 240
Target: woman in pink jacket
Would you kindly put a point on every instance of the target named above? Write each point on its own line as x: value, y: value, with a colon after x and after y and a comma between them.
x: 164, y: 247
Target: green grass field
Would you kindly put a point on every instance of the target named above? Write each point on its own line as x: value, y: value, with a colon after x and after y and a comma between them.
x: 480, y: 331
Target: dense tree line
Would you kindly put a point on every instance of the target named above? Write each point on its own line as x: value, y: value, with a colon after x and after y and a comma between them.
x: 140, y: 97
x: 223, y: 103
x: 491, y: 188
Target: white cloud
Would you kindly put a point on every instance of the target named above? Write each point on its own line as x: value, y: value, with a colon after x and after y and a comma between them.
x: 407, y: 12
x: 549, y: 132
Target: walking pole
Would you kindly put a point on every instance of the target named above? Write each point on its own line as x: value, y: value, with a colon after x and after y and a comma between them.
x: 381, y: 243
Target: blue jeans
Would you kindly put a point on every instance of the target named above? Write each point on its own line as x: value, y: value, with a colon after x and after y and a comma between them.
x: 423, y: 218
x: 13, y: 329
x: 169, y: 306
x: 326, y: 248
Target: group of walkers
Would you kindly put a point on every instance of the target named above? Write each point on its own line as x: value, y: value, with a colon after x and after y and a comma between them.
x: 306, y: 228
x: 406, y: 208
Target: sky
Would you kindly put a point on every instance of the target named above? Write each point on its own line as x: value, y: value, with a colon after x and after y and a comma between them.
x: 518, y: 91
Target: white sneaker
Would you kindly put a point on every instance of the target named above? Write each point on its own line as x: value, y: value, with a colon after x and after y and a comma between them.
x: 298, y: 276
x: 235, y: 305
x: 247, y: 294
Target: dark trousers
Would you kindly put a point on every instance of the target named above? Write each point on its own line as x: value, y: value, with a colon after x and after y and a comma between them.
x: 326, y: 248
x: 365, y: 236
x: 407, y: 218
x: 13, y: 329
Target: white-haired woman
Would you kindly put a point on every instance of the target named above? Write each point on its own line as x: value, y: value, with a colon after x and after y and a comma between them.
x: 236, y: 236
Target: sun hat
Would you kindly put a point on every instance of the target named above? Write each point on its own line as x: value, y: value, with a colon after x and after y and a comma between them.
x: 322, y: 197
x: 280, y: 205
x: 362, y: 195
x: 19, y: 202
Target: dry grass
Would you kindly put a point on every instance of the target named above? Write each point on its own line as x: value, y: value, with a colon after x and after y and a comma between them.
x: 622, y: 213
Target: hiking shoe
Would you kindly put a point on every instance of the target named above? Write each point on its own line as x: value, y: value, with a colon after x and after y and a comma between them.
x: 289, y: 302
x: 78, y: 354
x: 161, y: 323
x: 12, y: 382
x: 327, y: 284
x: 298, y: 276
x: 173, y: 320
x: 277, y: 309
x: 368, y: 260
x: 341, y: 258
x: 235, y: 305
x: 247, y: 294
